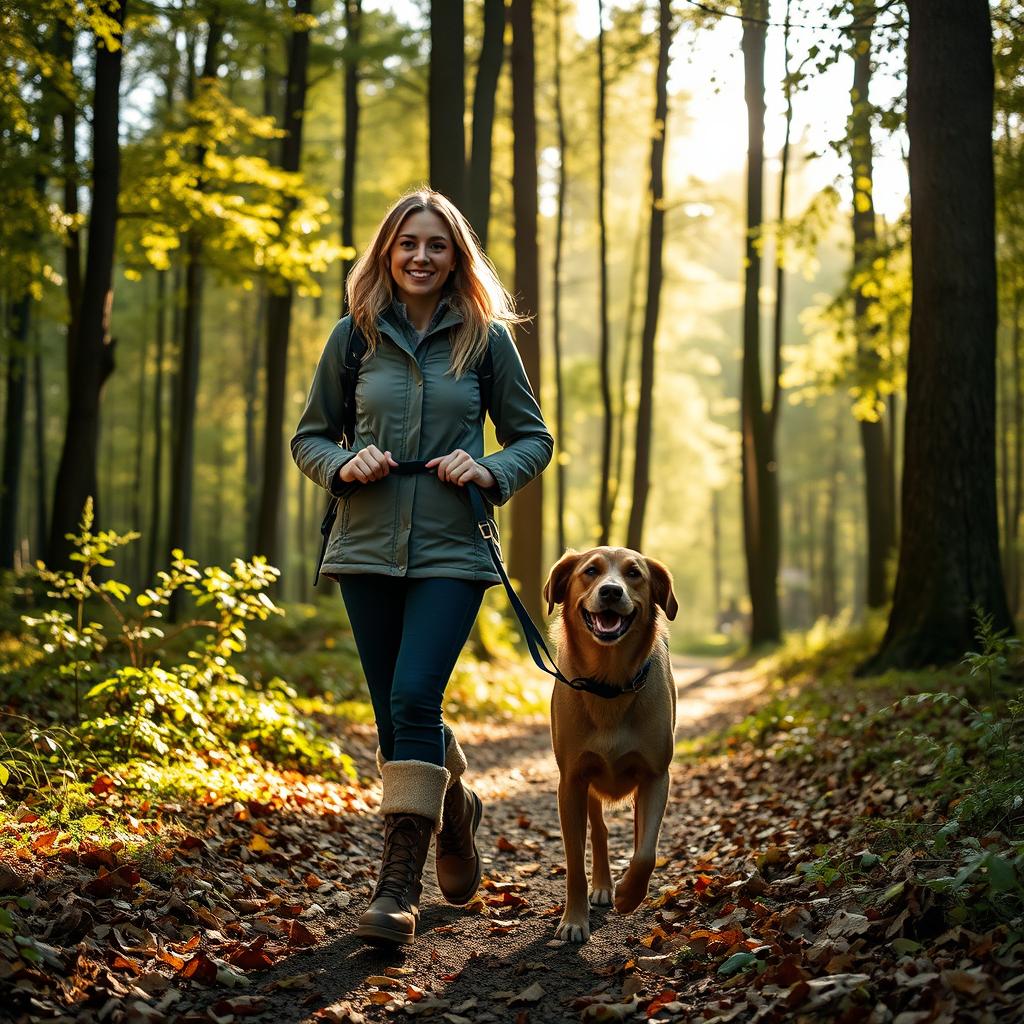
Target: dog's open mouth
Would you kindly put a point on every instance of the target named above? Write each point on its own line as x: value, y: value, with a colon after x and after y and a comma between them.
x: 607, y: 625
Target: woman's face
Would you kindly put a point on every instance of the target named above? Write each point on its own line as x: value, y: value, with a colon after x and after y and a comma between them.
x: 422, y: 256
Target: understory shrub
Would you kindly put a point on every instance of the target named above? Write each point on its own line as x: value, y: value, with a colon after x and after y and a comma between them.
x: 102, y: 667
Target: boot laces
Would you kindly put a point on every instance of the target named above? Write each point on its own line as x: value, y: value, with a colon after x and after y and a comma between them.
x: 400, y: 869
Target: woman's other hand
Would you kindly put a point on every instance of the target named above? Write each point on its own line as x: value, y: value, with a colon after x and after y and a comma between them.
x: 369, y: 464
x: 459, y: 467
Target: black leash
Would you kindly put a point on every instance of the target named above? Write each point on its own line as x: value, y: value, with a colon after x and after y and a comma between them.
x: 533, y: 636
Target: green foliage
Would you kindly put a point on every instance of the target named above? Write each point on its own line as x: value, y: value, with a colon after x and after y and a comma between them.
x: 987, y: 766
x: 146, y: 700
x: 202, y: 174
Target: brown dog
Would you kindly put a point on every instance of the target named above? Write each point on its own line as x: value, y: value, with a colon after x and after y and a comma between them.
x: 614, y: 604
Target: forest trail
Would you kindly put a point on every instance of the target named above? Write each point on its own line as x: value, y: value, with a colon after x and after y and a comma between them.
x: 497, y: 960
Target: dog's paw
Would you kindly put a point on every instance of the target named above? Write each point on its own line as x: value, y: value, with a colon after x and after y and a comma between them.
x: 573, y: 931
x: 601, y: 897
x: 630, y: 892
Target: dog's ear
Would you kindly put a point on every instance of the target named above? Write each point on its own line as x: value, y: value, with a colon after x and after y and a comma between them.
x: 554, y: 588
x: 661, y: 585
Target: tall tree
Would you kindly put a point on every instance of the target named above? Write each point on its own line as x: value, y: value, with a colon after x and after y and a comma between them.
x: 655, y: 247
x: 187, y: 382
x: 353, y: 39
x: 949, y: 553
x: 527, y: 505
x: 759, y: 467
x: 488, y: 70
x: 91, y: 357
x: 604, y: 508
x: 878, y: 500
x: 279, y: 302
x: 556, y: 282
x: 447, y: 100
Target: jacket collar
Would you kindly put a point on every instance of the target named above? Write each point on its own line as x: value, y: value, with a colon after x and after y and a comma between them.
x: 396, y: 316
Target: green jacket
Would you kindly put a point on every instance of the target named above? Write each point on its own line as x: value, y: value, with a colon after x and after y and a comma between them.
x: 407, y: 404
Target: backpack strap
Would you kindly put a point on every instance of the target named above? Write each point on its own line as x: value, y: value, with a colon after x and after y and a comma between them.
x: 355, y: 349
x: 485, y: 377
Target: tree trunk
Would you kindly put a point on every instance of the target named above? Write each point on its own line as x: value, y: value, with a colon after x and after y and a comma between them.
x: 279, y: 305
x: 353, y: 38
x: 92, y: 356
x: 556, y: 289
x: 759, y: 469
x: 41, y: 446
x: 949, y: 555
x: 183, y: 465
x: 67, y: 116
x: 447, y: 100
x: 716, y: 557
x: 14, y: 427
x: 865, y: 249
x: 655, y: 246
x: 528, y: 504
x: 1018, y: 456
x: 625, y: 362
x: 829, y: 562
x: 156, y: 484
x: 488, y: 71
x: 607, y: 411
x: 135, y: 501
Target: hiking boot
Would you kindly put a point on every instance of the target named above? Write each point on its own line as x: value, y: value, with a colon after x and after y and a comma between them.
x: 458, y: 860
x: 394, y: 907
x: 412, y: 804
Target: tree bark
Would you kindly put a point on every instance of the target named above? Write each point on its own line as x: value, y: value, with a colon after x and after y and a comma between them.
x: 446, y: 100
x: 556, y: 278
x: 527, y: 511
x: 67, y: 116
x: 604, y: 355
x: 39, y: 391
x: 14, y: 427
x: 187, y: 382
x: 353, y: 39
x: 759, y: 468
x: 949, y: 556
x: 655, y: 247
x: 625, y: 361
x: 279, y: 305
x: 488, y: 71
x: 153, y: 547
x: 829, y: 561
x: 865, y: 248
x: 92, y: 355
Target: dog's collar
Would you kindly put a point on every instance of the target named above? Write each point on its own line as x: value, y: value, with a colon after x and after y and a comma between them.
x: 606, y: 690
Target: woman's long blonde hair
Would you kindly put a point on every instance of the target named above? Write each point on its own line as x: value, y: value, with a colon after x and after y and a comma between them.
x: 472, y: 288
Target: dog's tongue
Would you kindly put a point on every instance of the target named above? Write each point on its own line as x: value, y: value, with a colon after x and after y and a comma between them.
x: 608, y: 622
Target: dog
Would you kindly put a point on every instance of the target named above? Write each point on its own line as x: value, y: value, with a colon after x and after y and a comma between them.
x: 614, y: 605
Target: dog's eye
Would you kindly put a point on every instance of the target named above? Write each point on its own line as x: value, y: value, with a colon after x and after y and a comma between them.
x: 634, y: 572
x: 591, y: 570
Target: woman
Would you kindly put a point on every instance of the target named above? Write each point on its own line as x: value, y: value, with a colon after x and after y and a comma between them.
x: 411, y: 565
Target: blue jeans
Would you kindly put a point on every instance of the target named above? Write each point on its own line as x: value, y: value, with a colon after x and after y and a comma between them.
x: 409, y: 633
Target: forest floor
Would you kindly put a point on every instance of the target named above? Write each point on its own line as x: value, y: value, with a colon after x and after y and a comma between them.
x: 767, y: 903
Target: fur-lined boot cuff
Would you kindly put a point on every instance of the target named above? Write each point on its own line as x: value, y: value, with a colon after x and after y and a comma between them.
x: 414, y: 787
x: 454, y: 757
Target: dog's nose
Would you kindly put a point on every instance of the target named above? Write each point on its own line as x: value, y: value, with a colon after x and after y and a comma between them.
x: 610, y: 591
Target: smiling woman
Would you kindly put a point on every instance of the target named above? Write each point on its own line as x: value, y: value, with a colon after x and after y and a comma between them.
x: 430, y: 314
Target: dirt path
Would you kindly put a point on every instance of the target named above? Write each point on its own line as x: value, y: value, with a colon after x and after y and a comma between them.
x: 478, y: 960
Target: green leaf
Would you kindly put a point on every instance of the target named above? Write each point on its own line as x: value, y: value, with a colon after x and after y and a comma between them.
x: 737, y: 962
x: 1001, y: 874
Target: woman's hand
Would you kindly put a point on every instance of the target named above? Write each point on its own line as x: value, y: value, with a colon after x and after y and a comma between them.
x: 369, y: 464
x: 458, y: 467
